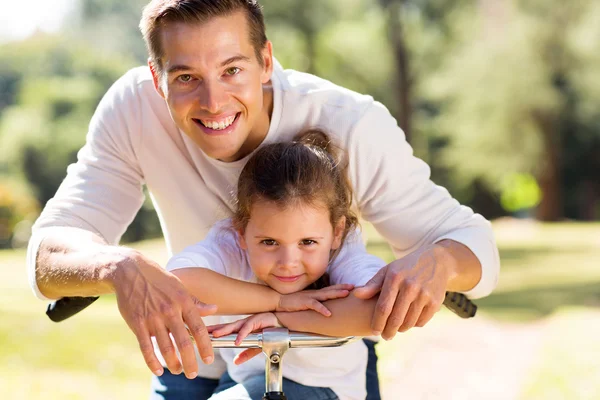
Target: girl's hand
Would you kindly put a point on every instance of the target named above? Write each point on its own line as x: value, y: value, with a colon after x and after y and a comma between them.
x: 311, y: 299
x: 244, y: 327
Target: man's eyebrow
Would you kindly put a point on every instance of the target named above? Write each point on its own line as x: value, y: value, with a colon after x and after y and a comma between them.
x: 177, y: 68
x: 236, y: 58
x: 182, y: 68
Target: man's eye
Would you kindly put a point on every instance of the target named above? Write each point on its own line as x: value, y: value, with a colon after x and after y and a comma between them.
x: 232, y: 71
x: 308, y: 242
x: 184, y: 78
x: 269, y: 242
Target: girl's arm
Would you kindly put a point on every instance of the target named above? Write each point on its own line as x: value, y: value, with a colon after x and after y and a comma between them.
x: 233, y: 296
x: 350, y: 316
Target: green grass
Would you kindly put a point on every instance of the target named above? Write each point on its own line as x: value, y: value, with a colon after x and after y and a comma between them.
x: 550, y: 276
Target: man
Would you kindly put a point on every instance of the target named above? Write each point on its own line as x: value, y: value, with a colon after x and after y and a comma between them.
x: 184, y: 127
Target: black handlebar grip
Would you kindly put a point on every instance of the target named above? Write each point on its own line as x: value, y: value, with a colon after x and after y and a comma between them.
x: 66, y: 307
x: 460, y: 305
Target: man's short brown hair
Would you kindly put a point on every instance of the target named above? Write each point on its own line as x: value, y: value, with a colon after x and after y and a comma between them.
x: 158, y: 13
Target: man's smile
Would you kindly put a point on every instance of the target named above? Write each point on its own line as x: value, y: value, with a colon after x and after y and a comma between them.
x: 217, y: 126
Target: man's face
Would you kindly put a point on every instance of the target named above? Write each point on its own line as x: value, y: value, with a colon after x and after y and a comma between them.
x: 213, y: 85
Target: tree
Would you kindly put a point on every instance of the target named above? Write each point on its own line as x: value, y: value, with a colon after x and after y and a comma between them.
x: 516, y: 92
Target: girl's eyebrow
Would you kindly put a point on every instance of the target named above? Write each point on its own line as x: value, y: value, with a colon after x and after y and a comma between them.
x: 271, y: 237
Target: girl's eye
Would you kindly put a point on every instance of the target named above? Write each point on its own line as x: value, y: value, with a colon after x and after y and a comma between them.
x: 184, y: 78
x: 269, y: 242
x: 308, y: 242
x: 232, y: 71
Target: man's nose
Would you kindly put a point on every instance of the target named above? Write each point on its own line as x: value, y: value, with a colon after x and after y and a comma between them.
x: 213, y: 97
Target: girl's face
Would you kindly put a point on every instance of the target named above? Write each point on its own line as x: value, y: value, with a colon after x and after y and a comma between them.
x: 289, y: 248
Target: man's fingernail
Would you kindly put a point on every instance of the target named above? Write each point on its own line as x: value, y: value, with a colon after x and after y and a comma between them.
x: 376, y: 333
x: 208, y: 359
x: 158, y: 372
x: 192, y: 375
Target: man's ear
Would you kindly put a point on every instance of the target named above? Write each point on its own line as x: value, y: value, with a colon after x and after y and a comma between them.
x: 338, y: 233
x: 156, y: 78
x: 243, y: 243
x: 267, y: 59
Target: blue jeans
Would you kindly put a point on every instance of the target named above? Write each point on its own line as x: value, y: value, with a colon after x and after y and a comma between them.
x: 254, y: 389
x: 178, y: 387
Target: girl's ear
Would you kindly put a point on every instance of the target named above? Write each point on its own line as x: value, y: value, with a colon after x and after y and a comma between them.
x: 242, y: 239
x: 338, y: 233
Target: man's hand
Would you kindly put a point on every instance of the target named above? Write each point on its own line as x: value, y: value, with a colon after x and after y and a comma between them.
x: 154, y: 302
x: 244, y: 327
x: 311, y: 299
x: 412, y: 290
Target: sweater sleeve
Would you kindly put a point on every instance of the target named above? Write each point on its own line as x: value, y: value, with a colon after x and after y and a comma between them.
x: 102, y: 191
x: 394, y: 192
x: 219, y: 252
x: 354, y: 264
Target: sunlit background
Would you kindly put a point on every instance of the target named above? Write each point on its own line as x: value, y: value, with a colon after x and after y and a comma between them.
x: 500, y: 97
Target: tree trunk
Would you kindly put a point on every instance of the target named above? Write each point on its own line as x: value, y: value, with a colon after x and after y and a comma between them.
x: 393, y: 10
x: 550, y: 177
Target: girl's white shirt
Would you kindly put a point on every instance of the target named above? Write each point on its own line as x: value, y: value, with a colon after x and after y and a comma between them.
x: 343, y: 369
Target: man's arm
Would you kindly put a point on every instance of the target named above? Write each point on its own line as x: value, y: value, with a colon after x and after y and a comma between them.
x: 72, y: 251
x: 441, y: 246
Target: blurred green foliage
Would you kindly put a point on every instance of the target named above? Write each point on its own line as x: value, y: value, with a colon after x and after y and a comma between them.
x: 485, y: 90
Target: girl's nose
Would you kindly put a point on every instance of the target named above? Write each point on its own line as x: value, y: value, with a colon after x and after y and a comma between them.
x: 288, y: 257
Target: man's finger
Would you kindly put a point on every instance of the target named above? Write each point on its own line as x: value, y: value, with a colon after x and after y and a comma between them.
x: 198, y: 331
x: 372, y: 287
x: 426, y: 315
x: 166, y: 347
x: 246, y: 355
x: 147, y: 348
x: 405, y: 298
x: 412, y: 316
x: 205, y: 309
x: 185, y: 345
x: 385, y: 303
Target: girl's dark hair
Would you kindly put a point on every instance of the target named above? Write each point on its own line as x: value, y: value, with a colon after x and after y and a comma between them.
x: 309, y: 170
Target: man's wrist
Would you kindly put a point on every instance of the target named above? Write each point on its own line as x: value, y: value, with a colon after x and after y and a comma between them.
x: 115, y: 265
x: 446, y: 257
x: 464, y: 268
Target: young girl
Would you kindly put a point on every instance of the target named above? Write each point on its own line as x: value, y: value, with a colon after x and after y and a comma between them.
x: 293, y: 230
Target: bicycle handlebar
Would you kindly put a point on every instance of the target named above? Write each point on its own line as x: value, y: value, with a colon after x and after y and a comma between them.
x: 66, y: 307
x: 296, y: 340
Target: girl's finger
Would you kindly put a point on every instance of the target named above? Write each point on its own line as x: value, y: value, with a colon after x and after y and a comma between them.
x: 246, y: 355
x: 212, y: 328
x: 245, y: 330
x: 332, y: 294
x: 228, y: 329
x: 346, y: 286
x: 320, y: 308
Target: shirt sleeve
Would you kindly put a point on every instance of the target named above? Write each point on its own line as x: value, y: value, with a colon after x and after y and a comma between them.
x: 102, y: 191
x: 219, y: 252
x: 354, y: 264
x: 394, y: 192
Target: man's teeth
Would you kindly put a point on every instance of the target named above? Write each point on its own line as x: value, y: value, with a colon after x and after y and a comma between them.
x: 219, y: 125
